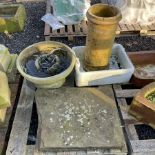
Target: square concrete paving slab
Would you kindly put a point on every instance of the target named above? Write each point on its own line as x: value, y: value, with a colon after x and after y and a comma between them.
x: 78, y: 118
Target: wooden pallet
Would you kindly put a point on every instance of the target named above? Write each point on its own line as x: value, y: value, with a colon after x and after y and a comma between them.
x: 29, y: 1
x: 136, y: 146
x: 80, y: 30
x: 69, y: 31
x: 5, y: 127
x: 6, y: 1
x: 20, y: 128
x: 18, y: 138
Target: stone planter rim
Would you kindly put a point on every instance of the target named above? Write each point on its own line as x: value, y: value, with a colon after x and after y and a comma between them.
x: 104, y: 20
x: 18, y: 9
x: 6, y: 5
x: 46, y: 80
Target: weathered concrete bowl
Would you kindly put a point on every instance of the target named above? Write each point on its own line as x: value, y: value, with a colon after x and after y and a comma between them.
x: 55, y: 81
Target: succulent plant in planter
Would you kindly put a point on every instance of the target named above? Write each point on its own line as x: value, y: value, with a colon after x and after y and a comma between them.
x: 143, y: 105
x: 53, y: 63
x: 151, y: 97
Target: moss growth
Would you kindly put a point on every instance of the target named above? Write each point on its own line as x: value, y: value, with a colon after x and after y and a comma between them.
x: 151, y: 97
x: 13, y: 18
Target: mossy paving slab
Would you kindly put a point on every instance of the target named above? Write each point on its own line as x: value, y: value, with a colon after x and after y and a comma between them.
x: 78, y: 118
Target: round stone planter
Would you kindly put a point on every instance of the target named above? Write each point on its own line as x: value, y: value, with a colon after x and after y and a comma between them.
x: 55, y: 81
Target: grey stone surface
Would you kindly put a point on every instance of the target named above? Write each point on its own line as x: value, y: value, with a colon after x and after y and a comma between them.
x: 78, y: 118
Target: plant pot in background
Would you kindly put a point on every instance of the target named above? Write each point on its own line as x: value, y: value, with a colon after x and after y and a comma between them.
x: 142, y: 107
x: 102, y: 24
x: 144, y: 64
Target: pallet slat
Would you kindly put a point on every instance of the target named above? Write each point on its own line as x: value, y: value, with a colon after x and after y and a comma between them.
x: 137, y: 27
x: 126, y: 93
x: 5, y: 126
x: 84, y: 27
x: 130, y: 27
x: 47, y: 29
x: 54, y: 32
x: 149, y: 26
x: 19, y: 133
x: 66, y: 153
x: 62, y: 31
x: 118, y: 28
x: 30, y: 149
x: 123, y: 27
x: 77, y: 29
x: 124, y: 110
x: 132, y: 132
x: 81, y: 153
x: 94, y: 153
x: 81, y: 29
x: 70, y: 29
x: 152, y: 26
x: 122, y: 103
x: 143, y: 146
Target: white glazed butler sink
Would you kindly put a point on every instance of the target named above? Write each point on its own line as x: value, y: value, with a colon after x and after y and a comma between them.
x: 107, y: 76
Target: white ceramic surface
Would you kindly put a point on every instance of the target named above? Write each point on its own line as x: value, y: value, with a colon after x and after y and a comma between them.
x: 103, y: 77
